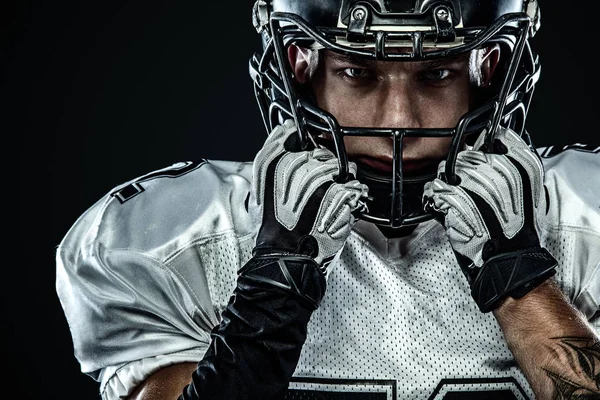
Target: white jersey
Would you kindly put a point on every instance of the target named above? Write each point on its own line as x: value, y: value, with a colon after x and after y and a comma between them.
x: 144, y: 274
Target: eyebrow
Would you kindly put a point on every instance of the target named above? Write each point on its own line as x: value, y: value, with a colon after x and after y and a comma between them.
x: 369, y: 63
x: 344, y: 58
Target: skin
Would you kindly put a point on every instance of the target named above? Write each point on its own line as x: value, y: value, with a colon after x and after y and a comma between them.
x: 380, y: 94
x: 546, y: 334
x: 165, y: 384
x: 553, y: 343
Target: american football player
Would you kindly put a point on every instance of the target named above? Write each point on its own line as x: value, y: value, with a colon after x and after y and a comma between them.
x: 398, y: 236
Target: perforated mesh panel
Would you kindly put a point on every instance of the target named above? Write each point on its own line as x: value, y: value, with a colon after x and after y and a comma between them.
x: 409, y: 318
x: 222, y: 259
x: 561, y: 245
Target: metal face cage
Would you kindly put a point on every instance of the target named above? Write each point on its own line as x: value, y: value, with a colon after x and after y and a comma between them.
x: 395, y: 198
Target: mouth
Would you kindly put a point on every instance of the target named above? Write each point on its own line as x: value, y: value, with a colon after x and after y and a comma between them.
x: 410, y: 167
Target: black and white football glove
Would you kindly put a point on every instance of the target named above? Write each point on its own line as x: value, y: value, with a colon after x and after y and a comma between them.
x: 305, y: 217
x: 490, y: 218
x: 302, y: 209
x: 304, y: 214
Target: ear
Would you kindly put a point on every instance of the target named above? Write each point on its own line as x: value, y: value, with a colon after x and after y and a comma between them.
x: 298, y: 59
x: 489, y: 64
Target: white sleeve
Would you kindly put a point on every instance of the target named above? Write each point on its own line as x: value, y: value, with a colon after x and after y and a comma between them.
x: 588, y: 299
x: 574, y: 217
x: 144, y: 274
x: 130, y: 315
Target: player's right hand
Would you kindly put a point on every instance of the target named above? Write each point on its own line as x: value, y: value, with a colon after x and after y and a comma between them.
x: 305, y: 217
x: 300, y: 207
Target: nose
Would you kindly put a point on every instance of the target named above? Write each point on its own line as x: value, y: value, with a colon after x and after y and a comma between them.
x: 398, y: 106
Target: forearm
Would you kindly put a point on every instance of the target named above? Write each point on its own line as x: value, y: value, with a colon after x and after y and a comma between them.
x: 255, y: 349
x: 553, y: 343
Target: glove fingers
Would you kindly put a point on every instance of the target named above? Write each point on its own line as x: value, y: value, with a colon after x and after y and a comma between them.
x: 298, y: 175
x: 335, y: 217
x: 495, y: 179
x: 497, y: 182
x: 471, y: 159
x: 339, y: 203
x: 273, y: 148
x: 323, y: 154
x: 519, y: 151
x: 464, y: 224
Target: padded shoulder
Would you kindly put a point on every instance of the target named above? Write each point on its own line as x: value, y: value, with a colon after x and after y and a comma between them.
x: 157, y: 212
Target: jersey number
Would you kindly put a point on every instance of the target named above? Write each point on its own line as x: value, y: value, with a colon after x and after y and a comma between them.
x: 128, y: 192
x: 447, y: 389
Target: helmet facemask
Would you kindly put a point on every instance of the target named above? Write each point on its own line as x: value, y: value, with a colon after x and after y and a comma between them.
x: 365, y: 31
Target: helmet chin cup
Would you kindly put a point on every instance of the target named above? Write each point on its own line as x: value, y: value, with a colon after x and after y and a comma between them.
x: 394, y: 209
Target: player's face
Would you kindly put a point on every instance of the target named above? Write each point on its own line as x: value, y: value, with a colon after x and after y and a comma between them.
x: 386, y: 94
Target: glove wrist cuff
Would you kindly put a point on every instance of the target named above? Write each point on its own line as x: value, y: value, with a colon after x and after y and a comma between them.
x: 296, y: 275
x: 511, y: 274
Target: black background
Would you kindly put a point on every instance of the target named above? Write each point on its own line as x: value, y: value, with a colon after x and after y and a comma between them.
x: 96, y: 93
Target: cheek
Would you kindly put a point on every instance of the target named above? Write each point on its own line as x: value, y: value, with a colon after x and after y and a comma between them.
x: 443, y: 107
x: 347, y: 105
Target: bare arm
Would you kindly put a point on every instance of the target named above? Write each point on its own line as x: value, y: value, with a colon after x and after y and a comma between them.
x: 165, y: 384
x: 553, y: 343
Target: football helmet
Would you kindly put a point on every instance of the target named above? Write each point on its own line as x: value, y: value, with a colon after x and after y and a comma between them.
x: 430, y: 29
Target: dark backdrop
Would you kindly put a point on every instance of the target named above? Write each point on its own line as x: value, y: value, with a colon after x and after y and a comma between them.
x: 96, y: 93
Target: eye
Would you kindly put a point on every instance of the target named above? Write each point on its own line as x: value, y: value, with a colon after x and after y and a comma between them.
x: 357, y: 73
x: 436, y: 75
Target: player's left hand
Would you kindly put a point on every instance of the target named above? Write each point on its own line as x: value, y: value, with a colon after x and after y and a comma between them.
x: 490, y: 218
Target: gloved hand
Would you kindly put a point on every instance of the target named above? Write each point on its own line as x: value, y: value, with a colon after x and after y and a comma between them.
x: 294, y: 194
x: 305, y: 217
x: 490, y: 218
